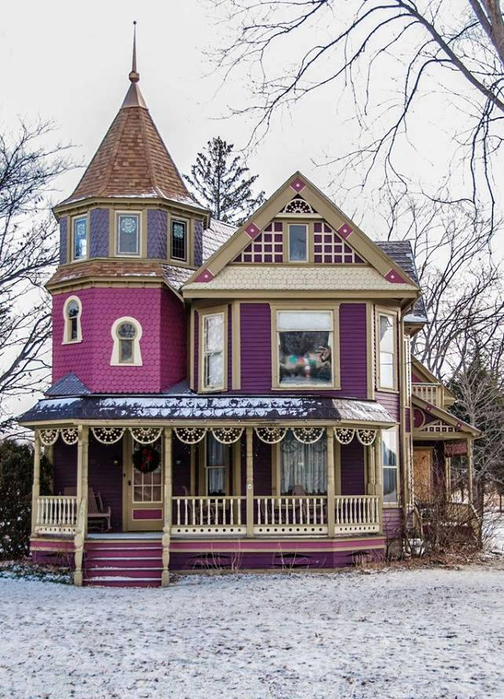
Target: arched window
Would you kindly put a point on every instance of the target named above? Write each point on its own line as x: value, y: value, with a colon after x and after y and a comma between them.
x: 72, y: 311
x: 126, y: 334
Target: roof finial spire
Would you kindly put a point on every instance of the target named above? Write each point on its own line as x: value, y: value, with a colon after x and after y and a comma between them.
x: 134, y: 76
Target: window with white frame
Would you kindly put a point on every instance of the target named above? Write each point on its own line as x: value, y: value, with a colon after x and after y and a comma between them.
x: 213, y: 351
x: 390, y: 459
x: 80, y: 238
x: 128, y: 234
x: 305, y: 346
x: 386, y: 350
x: 298, y: 242
x: 179, y: 240
x: 303, y: 467
x: 72, y: 311
x: 216, y: 464
x: 126, y: 334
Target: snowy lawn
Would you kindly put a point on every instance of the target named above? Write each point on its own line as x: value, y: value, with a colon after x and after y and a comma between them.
x: 424, y: 634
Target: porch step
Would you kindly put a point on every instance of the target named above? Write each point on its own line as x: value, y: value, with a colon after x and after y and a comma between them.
x: 123, y: 563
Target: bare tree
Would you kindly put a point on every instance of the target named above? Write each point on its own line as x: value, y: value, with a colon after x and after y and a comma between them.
x: 28, y: 251
x: 387, y: 57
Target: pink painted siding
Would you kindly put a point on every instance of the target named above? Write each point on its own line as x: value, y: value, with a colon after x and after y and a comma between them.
x: 161, y: 315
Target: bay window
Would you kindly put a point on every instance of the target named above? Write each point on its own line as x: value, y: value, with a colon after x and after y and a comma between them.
x: 390, y: 462
x: 213, y: 348
x: 386, y: 351
x: 305, y: 348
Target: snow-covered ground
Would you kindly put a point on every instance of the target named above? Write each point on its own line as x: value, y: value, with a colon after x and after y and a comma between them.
x: 424, y: 634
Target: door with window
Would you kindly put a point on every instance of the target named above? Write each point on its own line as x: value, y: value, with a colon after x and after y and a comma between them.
x: 143, y: 492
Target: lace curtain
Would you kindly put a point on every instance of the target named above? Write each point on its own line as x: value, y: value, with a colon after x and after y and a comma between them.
x: 303, y: 467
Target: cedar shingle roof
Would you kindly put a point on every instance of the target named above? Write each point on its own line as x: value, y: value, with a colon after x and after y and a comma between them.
x: 132, y: 159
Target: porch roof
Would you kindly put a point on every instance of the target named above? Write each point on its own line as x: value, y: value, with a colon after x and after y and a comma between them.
x: 193, y: 408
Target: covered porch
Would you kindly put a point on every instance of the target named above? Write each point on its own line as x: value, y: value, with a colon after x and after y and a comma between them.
x: 215, y: 480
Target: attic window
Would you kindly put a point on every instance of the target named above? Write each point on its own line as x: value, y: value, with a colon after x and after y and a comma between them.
x: 128, y: 234
x: 179, y: 240
x: 298, y: 243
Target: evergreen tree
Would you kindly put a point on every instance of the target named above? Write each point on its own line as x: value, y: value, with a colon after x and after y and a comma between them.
x: 222, y: 182
x: 16, y: 479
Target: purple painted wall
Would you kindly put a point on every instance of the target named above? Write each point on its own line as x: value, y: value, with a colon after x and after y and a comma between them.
x: 65, y: 467
x: 353, y: 479
x: 390, y: 402
x: 392, y: 522
x: 63, y: 239
x: 230, y: 348
x: 196, y: 351
x: 99, y: 233
x: 161, y: 315
x: 255, y: 351
x: 157, y: 234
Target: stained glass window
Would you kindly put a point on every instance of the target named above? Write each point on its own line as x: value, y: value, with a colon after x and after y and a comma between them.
x: 179, y: 240
x: 80, y: 238
x: 128, y: 228
x: 126, y: 333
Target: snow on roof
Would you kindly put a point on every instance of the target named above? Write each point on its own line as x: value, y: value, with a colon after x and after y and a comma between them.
x: 215, y: 236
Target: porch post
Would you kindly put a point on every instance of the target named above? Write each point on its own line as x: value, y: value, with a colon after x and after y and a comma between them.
x: 168, y: 487
x: 250, y: 482
x: 82, y: 501
x: 331, y: 503
x: 470, y: 466
x: 371, y: 470
x: 36, y: 480
x: 447, y: 475
x: 379, y: 476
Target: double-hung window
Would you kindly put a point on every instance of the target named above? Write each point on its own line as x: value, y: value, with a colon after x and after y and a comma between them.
x: 213, y: 328
x: 80, y: 238
x: 128, y: 234
x: 298, y: 242
x: 178, y: 240
x: 216, y: 462
x: 305, y: 348
x: 390, y: 465
x: 386, y: 350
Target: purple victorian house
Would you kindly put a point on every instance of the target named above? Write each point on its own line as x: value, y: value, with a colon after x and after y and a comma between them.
x: 227, y: 398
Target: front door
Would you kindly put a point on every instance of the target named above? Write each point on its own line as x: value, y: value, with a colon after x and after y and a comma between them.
x: 422, y: 470
x: 143, y: 489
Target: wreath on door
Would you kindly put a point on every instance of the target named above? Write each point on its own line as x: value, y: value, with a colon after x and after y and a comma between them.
x: 146, y: 459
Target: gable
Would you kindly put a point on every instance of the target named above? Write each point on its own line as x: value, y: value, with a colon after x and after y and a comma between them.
x: 334, y: 239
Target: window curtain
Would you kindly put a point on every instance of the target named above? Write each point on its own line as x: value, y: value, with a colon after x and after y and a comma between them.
x: 303, y: 467
x: 216, y: 466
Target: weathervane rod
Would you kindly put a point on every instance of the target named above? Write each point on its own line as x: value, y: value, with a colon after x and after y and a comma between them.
x: 134, y: 76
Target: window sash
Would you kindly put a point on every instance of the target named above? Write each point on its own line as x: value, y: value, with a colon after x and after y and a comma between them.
x: 213, y: 351
x: 127, y: 237
x: 298, y: 242
x: 179, y: 245
x: 305, y: 348
x: 80, y: 238
x: 386, y: 350
x: 390, y: 464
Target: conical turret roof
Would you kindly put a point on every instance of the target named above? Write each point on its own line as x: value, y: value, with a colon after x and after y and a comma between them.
x: 132, y: 160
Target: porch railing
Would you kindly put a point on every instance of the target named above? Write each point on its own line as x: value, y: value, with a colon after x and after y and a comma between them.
x: 56, y: 514
x: 298, y: 514
x: 357, y: 513
x: 208, y: 515
x: 429, y: 392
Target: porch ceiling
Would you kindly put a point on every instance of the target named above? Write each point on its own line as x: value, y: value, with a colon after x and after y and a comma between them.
x: 194, y: 408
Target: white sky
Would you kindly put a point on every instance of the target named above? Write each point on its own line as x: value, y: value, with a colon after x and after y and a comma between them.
x: 70, y: 61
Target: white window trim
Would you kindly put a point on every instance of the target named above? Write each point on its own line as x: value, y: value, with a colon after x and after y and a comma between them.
x: 179, y: 219
x: 393, y: 317
x: 137, y: 353
x: 73, y: 220
x: 67, y: 325
x: 391, y: 503
x: 138, y: 214
x: 202, y: 354
x: 307, y: 257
